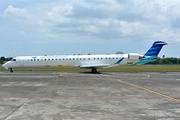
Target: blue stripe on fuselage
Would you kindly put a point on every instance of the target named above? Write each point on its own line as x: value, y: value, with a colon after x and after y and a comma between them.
x: 119, y: 61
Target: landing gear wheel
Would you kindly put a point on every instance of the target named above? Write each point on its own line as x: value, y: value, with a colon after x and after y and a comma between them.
x: 11, y: 70
x: 94, y: 71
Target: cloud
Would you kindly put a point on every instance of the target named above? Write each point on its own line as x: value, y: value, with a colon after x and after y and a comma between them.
x: 58, y: 14
x: 40, y: 22
x: 92, y: 29
x: 22, y: 32
x: 90, y: 21
x: 15, y: 13
x: 167, y: 35
x: 106, y: 19
x: 93, y: 18
x: 133, y: 28
x: 51, y: 35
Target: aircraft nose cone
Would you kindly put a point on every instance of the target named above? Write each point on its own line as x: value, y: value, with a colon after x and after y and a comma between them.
x: 5, y: 65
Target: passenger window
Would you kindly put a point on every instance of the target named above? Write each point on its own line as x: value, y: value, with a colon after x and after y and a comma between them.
x: 98, y: 58
x: 63, y: 58
x: 66, y: 58
x: 101, y: 58
x: 49, y: 59
x: 52, y: 59
x: 69, y: 58
x: 88, y: 58
x: 94, y: 58
x: 59, y: 59
x: 106, y: 58
x: 45, y: 59
x: 37, y: 59
x: 117, y: 58
x: 80, y: 58
x: 84, y: 58
x: 31, y: 59
x: 73, y: 58
x: 109, y: 58
x: 77, y: 59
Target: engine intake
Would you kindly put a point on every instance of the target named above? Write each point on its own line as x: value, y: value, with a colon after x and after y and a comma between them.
x: 135, y: 56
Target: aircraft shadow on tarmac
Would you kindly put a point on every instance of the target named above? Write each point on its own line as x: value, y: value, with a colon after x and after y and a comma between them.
x: 95, y: 73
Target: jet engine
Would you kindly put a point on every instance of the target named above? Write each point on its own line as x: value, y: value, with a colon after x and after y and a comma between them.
x: 135, y: 56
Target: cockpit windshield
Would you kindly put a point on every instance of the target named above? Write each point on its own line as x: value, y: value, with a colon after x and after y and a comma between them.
x: 13, y: 60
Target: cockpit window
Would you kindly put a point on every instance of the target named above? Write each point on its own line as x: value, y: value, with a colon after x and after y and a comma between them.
x: 13, y: 60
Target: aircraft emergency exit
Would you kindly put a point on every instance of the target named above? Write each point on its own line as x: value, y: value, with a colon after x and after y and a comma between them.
x: 92, y: 62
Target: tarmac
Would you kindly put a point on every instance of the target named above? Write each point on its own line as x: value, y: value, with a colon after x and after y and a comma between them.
x: 88, y: 96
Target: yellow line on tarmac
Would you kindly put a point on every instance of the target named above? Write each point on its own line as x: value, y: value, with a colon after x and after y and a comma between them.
x: 60, y: 73
x: 147, y: 76
x: 136, y: 78
x: 149, y: 90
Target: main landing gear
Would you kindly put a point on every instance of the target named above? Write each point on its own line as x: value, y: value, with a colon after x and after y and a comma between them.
x: 94, y: 70
x: 11, y: 70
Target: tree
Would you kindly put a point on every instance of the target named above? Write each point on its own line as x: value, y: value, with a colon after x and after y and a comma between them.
x: 119, y: 52
x: 2, y: 59
x: 163, y: 56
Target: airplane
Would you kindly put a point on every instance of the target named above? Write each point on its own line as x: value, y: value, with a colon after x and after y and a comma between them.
x: 92, y: 62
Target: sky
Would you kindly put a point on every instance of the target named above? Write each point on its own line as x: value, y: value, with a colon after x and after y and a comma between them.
x: 67, y: 27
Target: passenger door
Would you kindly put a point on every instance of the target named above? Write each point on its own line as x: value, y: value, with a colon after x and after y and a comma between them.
x: 21, y: 62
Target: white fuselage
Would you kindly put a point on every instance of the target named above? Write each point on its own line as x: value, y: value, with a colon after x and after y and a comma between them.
x: 86, y: 61
x: 82, y: 61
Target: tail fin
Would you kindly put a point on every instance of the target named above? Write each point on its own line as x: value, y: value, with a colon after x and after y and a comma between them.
x: 155, y: 49
x: 152, y: 53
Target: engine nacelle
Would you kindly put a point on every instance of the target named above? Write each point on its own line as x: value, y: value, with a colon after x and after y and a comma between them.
x: 135, y: 56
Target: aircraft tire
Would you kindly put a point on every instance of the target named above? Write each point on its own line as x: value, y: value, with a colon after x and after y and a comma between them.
x: 11, y: 70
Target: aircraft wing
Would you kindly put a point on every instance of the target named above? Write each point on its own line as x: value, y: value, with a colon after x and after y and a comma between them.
x: 97, y: 66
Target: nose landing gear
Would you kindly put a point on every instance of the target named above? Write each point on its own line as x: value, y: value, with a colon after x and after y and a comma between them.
x: 11, y: 70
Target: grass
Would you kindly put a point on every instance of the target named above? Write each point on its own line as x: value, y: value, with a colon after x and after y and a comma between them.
x: 142, y: 68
